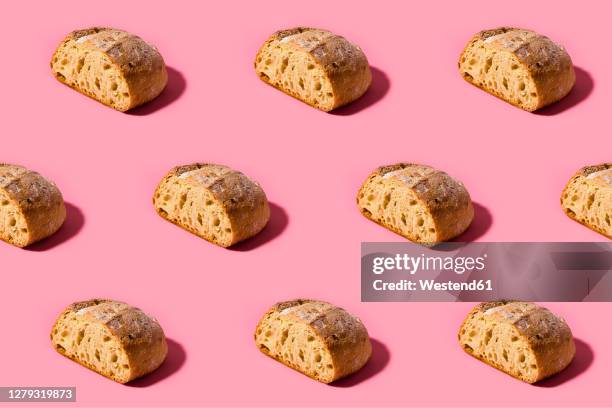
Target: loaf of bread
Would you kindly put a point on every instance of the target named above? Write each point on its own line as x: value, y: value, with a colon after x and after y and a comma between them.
x: 111, y: 338
x: 418, y: 202
x: 216, y: 203
x: 31, y: 207
x: 587, y: 198
x: 521, y: 339
x: 111, y: 66
x: 315, y: 338
x: 315, y: 66
x: 519, y: 66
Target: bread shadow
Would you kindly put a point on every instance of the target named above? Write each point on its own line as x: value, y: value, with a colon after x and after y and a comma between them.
x: 379, y: 360
x: 483, y: 219
x: 582, y: 89
x: 174, y: 361
x: 277, y: 224
x: 174, y: 89
x: 582, y: 361
x: 73, y: 224
x: 378, y: 89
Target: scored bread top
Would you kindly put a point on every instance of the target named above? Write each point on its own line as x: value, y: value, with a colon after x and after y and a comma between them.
x: 599, y: 174
x: 130, y: 52
x: 306, y: 38
x: 335, y: 53
x: 334, y: 324
x: 539, y: 325
x: 230, y: 187
x: 539, y: 53
x: 436, y: 188
x: 603, y: 177
x: 100, y: 310
x: 131, y: 325
x: 27, y: 188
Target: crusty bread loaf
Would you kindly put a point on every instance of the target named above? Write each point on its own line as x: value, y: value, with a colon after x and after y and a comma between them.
x: 315, y: 66
x: 219, y: 204
x: 420, y: 203
x: 519, y: 66
x: 587, y: 198
x: 31, y: 207
x: 111, y: 66
x: 521, y: 339
x: 111, y: 338
x: 315, y: 338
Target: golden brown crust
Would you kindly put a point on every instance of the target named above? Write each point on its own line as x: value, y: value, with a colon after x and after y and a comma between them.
x: 445, y: 198
x: 242, y: 199
x: 141, y: 336
x: 587, y: 170
x: 548, y: 336
x: 343, y: 334
x: 344, y: 63
x: 140, y: 63
x: 38, y: 199
x: 547, y: 62
x: 579, y: 176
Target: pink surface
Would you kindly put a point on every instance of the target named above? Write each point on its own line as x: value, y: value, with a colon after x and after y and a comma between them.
x: 310, y: 163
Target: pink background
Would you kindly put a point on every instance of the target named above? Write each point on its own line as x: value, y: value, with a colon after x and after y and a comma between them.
x: 209, y: 299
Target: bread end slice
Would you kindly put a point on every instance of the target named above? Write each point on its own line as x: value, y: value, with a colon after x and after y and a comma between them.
x: 315, y: 66
x: 519, y: 66
x: 418, y: 202
x: 212, y: 201
x: 587, y: 198
x: 315, y: 338
x: 111, y: 66
x: 111, y: 338
x: 31, y: 207
x: 521, y: 339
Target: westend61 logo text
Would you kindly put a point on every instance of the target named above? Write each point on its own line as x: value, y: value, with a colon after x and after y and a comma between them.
x: 414, y: 264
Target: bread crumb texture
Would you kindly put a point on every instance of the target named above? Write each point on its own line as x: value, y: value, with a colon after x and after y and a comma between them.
x: 31, y: 207
x: 521, y: 339
x: 519, y: 66
x: 315, y: 338
x: 219, y: 204
x: 587, y: 198
x: 111, y: 338
x: 315, y: 66
x: 111, y: 66
x: 424, y: 205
